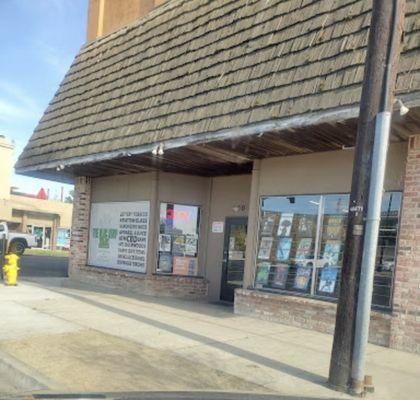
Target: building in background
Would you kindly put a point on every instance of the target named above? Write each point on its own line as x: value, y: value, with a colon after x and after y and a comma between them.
x: 107, y: 16
x: 49, y: 220
x: 211, y: 147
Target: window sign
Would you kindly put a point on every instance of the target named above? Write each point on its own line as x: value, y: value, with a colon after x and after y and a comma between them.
x: 217, y: 226
x: 178, y: 239
x: 301, y: 241
x: 118, y: 235
x: 63, y: 238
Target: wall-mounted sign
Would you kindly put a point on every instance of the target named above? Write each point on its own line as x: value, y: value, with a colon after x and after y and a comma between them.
x: 118, y: 235
x: 217, y: 226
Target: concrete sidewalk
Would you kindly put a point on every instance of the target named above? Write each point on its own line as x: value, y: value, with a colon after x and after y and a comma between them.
x: 54, y: 337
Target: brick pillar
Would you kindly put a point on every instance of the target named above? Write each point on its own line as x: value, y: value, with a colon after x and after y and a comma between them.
x: 80, y: 225
x: 405, y: 322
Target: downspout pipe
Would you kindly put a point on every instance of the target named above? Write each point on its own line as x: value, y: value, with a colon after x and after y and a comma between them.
x: 373, y: 218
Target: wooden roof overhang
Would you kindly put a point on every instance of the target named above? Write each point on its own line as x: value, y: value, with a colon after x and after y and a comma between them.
x: 232, y: 152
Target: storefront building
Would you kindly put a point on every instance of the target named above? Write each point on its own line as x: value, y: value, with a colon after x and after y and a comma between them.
x: 49, y: 220
x: 218, y: 165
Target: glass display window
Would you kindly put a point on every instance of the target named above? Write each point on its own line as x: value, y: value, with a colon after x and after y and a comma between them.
x: 178, y: 239
x: 301, y: 243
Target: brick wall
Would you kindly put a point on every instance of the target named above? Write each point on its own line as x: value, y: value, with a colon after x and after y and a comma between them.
x: 405, y: 324
x: 154, y: 285
x: 304, y: 313
x: 182, y: 287
x: 80, y: 225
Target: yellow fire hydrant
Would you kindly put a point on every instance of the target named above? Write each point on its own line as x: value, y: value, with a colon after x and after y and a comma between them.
x: 10, y: 269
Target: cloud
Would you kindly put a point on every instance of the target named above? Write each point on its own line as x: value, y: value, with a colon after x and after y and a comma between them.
x: 16, y: 104
x: 54, y: 58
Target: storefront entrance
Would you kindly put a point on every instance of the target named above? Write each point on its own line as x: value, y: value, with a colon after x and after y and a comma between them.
x: 233, y: 256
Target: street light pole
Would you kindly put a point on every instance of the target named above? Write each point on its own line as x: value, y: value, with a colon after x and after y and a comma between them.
x: 374, y: 123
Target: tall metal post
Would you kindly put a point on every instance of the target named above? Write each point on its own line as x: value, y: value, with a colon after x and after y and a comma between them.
x: 377, y: 97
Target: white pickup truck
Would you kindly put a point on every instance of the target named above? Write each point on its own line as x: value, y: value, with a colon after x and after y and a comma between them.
x: 17, y: 242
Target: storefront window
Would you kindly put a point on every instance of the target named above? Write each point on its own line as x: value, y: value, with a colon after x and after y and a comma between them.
x: 178, y: 239
x: 301, y: 241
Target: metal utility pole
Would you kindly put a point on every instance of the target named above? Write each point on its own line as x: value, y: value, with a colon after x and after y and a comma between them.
x: 365, y: 200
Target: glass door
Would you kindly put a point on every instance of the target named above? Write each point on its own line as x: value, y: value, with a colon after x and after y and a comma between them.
x: 233, y: 256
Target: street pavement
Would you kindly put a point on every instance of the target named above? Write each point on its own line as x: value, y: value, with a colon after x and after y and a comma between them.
x: 43, y: 266
x: 56, y: 337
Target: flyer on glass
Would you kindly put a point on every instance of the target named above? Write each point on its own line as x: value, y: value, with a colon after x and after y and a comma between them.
x: 165, y: 242
x: 285, y: 224
x: 306, y: 225
x: 178, y: 246
x: 304, y: 249
x: 327, y: 280
x: 165, y: 262
x: 184, y: 265
x: 263, y: 273
x: 265, y: 248
x: 279, y: 279
x: 335, y: 227
x: 118, y: 235
x: 332, y: 252
x: 267, y: 224
x: 191, y: 245
x: 283, y: 248
x: 302, y: 278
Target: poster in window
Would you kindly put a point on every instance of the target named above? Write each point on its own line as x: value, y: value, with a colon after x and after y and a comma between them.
x: 63, y: 238
x: 285, y: 224
x: 184, y: 265
x: 178, y: 246
x: 165, y: 262
x: 306, y: 225
x: 283, y: 248
x: 165, y: 242
x: 335, y: 227
x: 263, y: 273
x: 265, y: 248
x: 191, y: 245
x: 331, y: 253
x: 279, y: 279
x: 118, y: 235
x: 327, y: 280
x: 302, y: 278
x: 267, y: 225
x: 303, y: 251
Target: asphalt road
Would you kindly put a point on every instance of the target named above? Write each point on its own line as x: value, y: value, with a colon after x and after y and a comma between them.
x: 43, y: 266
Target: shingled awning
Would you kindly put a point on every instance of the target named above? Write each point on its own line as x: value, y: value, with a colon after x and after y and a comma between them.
x: 202, y: 67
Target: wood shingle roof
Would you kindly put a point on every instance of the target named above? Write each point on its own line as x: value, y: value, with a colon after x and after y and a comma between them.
x: 196, y: 66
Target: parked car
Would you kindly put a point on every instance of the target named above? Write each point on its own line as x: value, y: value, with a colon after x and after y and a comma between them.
x: 17, y: 242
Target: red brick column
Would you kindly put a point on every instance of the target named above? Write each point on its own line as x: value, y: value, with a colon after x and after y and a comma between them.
x: 80, y: 225
x: 405, y: 322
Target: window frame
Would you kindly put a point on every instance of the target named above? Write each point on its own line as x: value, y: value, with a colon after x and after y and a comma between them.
x: 312, y: 292
x: 199, y: 218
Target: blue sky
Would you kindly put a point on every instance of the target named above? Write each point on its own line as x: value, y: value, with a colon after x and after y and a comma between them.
x: 40, y: 39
